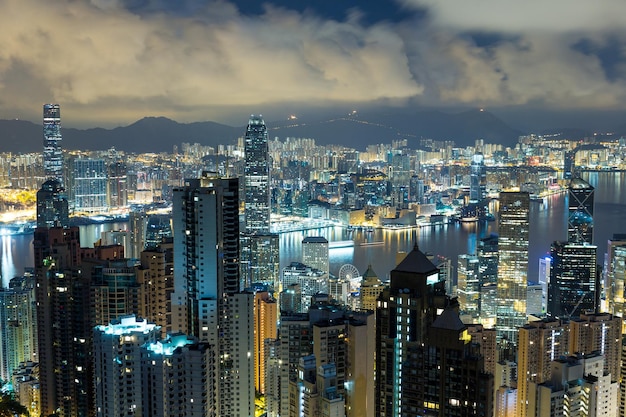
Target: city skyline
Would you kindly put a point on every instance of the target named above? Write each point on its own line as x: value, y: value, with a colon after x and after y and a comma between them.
x: 190, y: 61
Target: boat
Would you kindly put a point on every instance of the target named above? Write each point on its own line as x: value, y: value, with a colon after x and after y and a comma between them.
x: 341, y: 244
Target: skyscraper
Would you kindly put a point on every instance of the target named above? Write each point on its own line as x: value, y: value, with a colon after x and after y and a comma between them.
x: 18, y: 327
x: 257, y: 177
x: 52, y: 153
x: 574, y: 286
x: 52, y: 207
x: 206, y: 302
x: 540, y: 343
x: 259, y: 247
x: 513, y: 229
x: 425, y: 361
x: 89, y: 185
x: 580, y: 207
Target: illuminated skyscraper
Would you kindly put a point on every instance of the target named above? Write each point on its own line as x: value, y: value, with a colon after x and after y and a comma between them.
x: 52, y: 207
x: 469, y: 287
x: 478, y: 178
x: 315, y: 253
x: 18, y: 327
x: 52, y: 152
x: 265, y: 321
x: 615, y: 275
x: 513, y: 227
x: 426, y: 363
x: 206, y: 302
x: 574, y: 287
x: 580, y: 217
x: 259, y: 247
x: 89, y: 185
x: 257, y: 177
x: 540, y: 343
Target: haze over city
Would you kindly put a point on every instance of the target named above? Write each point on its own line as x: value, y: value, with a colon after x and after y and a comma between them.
x: 113, y: 62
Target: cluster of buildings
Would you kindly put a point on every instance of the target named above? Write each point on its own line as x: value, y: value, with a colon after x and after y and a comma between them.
x: 198, y: 320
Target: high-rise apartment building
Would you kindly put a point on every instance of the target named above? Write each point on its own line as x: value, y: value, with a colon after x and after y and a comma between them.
x: 52, y: 206
x: 64, y: 319
x: 265, y: 327
x: 206, y: 302
x: 600, y: 332
x: 580, y: 211
x: 256, y: 177
x: 424, y: 357
x: 18, y: 326
x: 513, y: 227
x: 574, y: 287
x: 540, y: 343
x: 139, y: 375
x: 155, y: 275
x: 52, y: 152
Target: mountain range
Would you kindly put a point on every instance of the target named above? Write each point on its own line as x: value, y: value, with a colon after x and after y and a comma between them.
x: 159, y: 134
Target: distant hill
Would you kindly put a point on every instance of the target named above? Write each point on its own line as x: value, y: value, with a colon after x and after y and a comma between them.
x: 159, y: 134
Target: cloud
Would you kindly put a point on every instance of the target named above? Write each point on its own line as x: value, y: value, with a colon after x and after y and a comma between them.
x: 533, y: 56
x: 114, y: 61
x: 83, y: 54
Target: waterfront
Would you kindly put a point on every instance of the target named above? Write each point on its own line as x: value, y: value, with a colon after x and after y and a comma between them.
x: 548, y: 222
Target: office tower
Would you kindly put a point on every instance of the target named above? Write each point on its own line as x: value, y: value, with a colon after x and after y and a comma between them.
x: 540, y: 343
x: 137, y: 225
x: 513, y: 230
x: 136, y: 374
x: 206, y: 302
x: 534, y: 305
x: 580, y: 209
x: 615, y: 275
x: 545, y: 266
x: 52, y: 152
x: 18, y: 327
x: 315, y: 253
x: 117, y: 187
x: 574, y: 286
x: 155, y: 275
x: 52, y: 207
x: 262, y: 265
x: 478, y: 179
x: 469, y: 287
x: 600, y: 332
x: 89, y: 185
x: 417, y: 350
x: 256, y: 177
x: 265, y: 322
x: 487, y: 252
x: 371, y: 287
x: 310, y: 282
x: 569, y: 164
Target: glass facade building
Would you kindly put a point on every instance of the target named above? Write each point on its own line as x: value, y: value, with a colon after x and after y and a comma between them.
x: 52, y: 152
x: 513, y: 225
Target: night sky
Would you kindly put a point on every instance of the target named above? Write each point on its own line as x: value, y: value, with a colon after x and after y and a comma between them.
x: 111, y: 62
